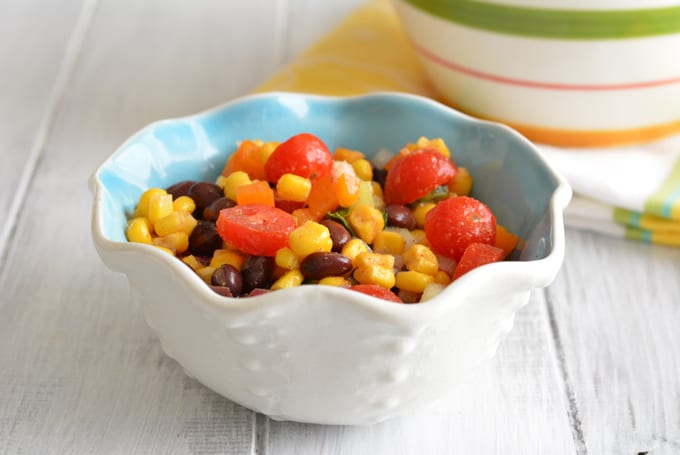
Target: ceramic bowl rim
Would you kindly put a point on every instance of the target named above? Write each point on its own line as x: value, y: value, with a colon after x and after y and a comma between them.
x: 539, y: 272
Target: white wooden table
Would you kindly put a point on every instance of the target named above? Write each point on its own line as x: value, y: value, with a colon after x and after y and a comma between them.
x: 591, y: 366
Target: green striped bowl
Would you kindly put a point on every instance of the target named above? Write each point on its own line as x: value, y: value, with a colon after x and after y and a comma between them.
x: 564, y: 72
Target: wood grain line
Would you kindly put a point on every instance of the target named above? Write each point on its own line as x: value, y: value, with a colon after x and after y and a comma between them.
x: 261, y: 444
x: 64, y: 73
x: 572, y: 411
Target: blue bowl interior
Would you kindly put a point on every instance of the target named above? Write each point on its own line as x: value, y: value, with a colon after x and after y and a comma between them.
x: 508, y: 175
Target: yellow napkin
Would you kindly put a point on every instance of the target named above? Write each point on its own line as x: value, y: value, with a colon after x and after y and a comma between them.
x: 367, y: 52
x: 631, y: 192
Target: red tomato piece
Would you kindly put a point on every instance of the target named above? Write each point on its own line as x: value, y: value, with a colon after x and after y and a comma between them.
x: 455, y: 223
x: 303, y: 154
x: 377, y: 291
x: 255, y: 229
x: 477, y: 254
x: 416, y: 175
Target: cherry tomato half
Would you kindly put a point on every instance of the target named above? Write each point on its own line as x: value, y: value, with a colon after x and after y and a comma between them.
x: 455, y: 223
x: 255, y: 229
x: 377, y: 291
x: 416, y: 175
x: 477, y: 254
x: 303, y: 154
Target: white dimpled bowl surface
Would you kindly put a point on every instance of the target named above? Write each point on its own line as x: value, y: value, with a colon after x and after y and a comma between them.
x: 323, y: 354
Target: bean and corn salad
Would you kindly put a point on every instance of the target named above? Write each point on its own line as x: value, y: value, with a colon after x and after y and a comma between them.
x: 400, y: 227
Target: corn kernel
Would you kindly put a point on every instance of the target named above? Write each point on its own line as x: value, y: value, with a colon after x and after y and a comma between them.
x: 420, y: 237
x: 192, y: 262
x: 266, y: 150
x: 339, y: 281
x: 139, y: 231
x: 188, y: 222
x: 363, y: 169
x: 365, y: 194
x: 290, y: 279
x: 145, y: 198
x: 354, y: 248
x: 374, y: 268
x: 442, y: 277
x: 389, y: 242
x: 184, y: 204
x: 168, y: 224
x: 286, y: 259
x: 309, y: 238
x: 437, y: 144
x: 165, y: 250
x: 220, y: 180
x: 461, y: 183
x: 160, y: 205
x: 175, y: 222
x: 206, y: 274
x: 377, y: 189
x: 420, y: 211
x: 176, y: 241
x: 420, y: 258
x: 377, y: 196
x: 293, y: 187
x: 343, y: 154
x: 413, y: 281
x: 366, y: 221
x: 431, y: 290
x: 233, y: 182
x: 226, y: 256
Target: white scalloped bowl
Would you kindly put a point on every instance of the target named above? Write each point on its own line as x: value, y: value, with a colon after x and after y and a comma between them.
x: 317, y: 353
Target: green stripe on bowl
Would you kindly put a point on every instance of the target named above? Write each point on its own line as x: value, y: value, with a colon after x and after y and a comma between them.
x: 556, y: 23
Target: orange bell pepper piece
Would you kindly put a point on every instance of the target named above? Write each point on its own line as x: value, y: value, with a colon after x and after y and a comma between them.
x: 255, y: 193
x: 322, y: 197
x: 248, y: 159
x: 505, y: 240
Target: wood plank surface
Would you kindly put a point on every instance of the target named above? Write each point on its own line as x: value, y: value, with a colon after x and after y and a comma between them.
x: 39, y: 41
x: 84, y: 374
x: 616, y: 312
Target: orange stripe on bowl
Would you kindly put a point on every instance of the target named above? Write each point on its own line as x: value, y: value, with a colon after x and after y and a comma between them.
x: 594, y: 138
x: 539, y: 84
x: 582, y: 138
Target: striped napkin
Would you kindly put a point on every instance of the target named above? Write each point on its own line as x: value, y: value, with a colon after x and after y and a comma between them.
x: 630, y: 192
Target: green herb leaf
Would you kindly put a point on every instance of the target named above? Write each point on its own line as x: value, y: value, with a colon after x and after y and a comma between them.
x: 340, y: 216
x: 439, y: 193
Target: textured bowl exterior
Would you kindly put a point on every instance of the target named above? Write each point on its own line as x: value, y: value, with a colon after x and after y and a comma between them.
x: 322, y: 354
x: 563, y: 72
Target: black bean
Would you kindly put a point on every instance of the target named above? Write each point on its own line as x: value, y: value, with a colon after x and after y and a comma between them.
x: 180, y: 188
x: 204, y: 239
x: 380, y: 175
x: 211, y: 212
x: 339, y: 234
x: 257, y: 272
x: 222, y: 290
x: 400, y: 216
x: 203, y: 194
x: 228, y: 276
x: 316, y: 266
